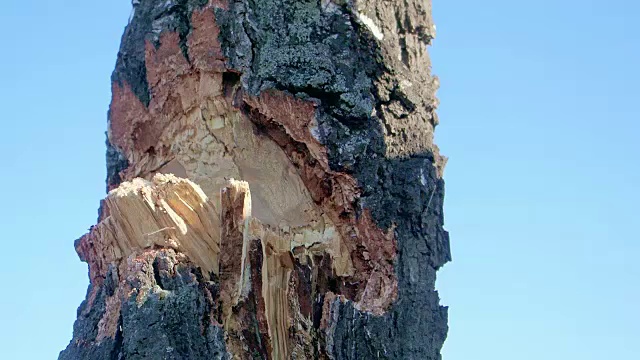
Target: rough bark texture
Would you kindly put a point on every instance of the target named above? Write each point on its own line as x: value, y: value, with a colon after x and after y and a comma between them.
x: 326, y: 245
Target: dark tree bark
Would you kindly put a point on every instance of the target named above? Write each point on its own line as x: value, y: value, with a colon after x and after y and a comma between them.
x: 275, y: 192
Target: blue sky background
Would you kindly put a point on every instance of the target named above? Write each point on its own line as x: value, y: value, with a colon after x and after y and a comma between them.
x: 540, y: 118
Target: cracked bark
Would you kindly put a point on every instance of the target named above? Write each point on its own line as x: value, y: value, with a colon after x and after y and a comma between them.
x: 327, y: 243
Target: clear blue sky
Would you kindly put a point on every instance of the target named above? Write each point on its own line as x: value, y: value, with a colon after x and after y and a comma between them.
x: 540, y: 112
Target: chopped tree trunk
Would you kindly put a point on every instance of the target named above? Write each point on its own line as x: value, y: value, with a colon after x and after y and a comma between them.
x: 274, y: 189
